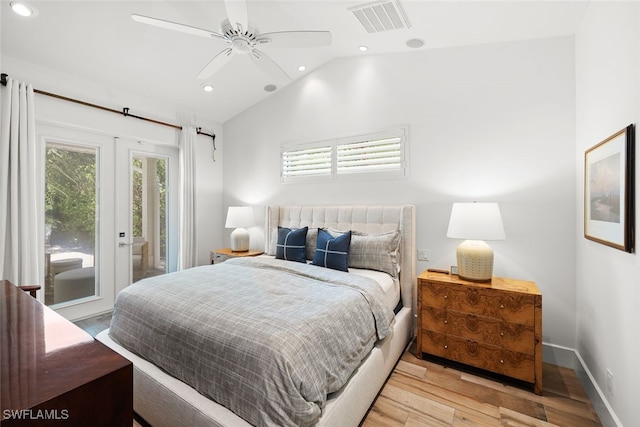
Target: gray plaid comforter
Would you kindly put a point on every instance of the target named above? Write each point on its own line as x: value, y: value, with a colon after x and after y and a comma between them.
x: 266, y: 338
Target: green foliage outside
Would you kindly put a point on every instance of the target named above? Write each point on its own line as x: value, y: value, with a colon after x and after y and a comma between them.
x: 137, y: 197
x: 70, y: 196
x: 137, y: 202
x: 162, y: 178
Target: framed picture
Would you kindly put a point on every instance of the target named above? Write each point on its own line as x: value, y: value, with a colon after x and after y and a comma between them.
x: 609, y: 203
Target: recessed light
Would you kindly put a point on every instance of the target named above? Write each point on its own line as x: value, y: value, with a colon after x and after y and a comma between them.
x: 207, y: 87
x: 363, y: 48
x: 270, y: 88
x: 415, y: 43
x: 301, y: 68
x: 22, y: 9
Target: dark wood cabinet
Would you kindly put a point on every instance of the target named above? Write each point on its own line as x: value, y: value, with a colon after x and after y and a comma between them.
x: 54, y: 373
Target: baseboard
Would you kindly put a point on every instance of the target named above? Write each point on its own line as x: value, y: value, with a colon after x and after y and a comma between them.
x: 570, y: 358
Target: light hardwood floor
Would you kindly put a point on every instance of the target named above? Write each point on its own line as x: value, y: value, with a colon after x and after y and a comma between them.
x: 424, y: 393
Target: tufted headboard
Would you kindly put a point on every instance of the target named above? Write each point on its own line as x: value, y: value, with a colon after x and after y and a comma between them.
x: 365, y: 219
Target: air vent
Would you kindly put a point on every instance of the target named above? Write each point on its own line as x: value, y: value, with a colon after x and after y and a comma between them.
x: 381, y: 16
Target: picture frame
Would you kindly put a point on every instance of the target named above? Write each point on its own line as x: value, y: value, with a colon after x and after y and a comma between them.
x: 609, y: 189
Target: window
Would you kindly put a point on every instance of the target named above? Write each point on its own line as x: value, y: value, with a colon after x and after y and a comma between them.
x: 306, y: 160
x: 379, y: 152
x: 382, y: 154
x: 71, y: 221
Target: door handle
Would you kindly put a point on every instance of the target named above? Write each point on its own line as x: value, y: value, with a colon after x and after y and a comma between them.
x: 123, y: 244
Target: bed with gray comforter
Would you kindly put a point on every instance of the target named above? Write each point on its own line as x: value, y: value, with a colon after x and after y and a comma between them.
x: 266, y: 338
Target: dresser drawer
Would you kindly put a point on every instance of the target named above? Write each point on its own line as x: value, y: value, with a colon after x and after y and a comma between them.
x: 480, y: 355
x: 508, y: 306
x: 510, y: 336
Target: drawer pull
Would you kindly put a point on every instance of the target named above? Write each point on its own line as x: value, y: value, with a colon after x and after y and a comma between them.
x: 501, y: 306
x: 501, y: 334
x: 501, y: 361
x: 445, y: 297
x: 446, y: 322
x: 446, y: 347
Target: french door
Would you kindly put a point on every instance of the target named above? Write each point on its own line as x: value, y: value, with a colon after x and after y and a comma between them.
x: 110, y: 213
x: 147, y: 211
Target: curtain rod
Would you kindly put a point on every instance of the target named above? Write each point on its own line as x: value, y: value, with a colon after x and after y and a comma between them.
x: 124, y: 112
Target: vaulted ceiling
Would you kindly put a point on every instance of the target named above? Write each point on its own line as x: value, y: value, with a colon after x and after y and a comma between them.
x: 99, y: 41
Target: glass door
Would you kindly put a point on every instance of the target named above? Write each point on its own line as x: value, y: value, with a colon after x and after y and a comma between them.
x: 110, y: 217
x: 146, y: 213
x: 149, y: 216
x: 71, y: 222
x: 78, y: 199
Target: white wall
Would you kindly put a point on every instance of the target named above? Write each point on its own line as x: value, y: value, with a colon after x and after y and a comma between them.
x: 489, y: 123
x: 209, y: 217
x: 608, y: 280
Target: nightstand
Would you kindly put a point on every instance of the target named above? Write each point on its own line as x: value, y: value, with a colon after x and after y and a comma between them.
x: 494, y: 326
x: 220, y: 255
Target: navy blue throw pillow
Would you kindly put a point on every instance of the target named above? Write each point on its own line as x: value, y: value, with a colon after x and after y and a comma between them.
x: 332, y: 252
x: 292, y: 244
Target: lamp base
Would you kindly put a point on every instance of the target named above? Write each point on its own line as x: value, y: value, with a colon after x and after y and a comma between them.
x: 239, y: 240
x: 475, y: 261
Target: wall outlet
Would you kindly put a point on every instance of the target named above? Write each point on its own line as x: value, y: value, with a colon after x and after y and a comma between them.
x: 423, y: 254
x: 610, y: 382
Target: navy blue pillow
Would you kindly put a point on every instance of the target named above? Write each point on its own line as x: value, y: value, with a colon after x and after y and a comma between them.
x: 332, y: 252
x: 292, y: 244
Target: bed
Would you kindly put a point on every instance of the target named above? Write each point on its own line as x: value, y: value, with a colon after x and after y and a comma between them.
x: 163, y: 400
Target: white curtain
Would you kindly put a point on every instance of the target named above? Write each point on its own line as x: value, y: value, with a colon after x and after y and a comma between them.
x: 187, y: 253
x: 21, y: 240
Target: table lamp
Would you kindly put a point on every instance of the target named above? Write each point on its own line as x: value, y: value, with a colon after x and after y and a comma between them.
x: 239, y: 217
x: 475, y: 222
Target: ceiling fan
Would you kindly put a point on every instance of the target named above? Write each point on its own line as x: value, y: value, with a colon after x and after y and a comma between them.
x: 243, y: 39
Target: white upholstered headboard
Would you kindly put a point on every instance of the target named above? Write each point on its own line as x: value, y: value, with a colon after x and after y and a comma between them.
x: 366, y: 219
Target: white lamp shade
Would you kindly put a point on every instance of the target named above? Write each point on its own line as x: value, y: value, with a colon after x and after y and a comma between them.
x: 240, y: 217
x: 476, y: 221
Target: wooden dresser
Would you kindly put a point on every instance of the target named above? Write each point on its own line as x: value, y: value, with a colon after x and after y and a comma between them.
x: 494, y: 326
x: 54, y: 373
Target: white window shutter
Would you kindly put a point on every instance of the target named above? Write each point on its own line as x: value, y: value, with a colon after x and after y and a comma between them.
x: 306, y: 161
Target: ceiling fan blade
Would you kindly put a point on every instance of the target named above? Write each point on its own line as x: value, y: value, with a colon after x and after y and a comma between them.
x: 269, y: 67
x: 237, y: 14
x: 176, y: 27
x: 296, y: 38
x: 216, y: 63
